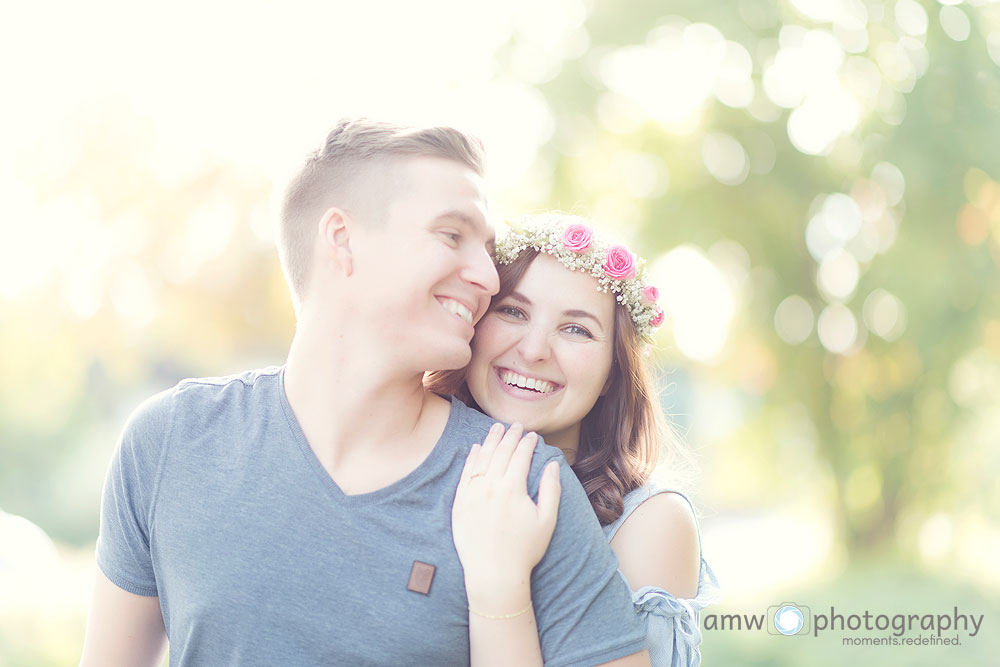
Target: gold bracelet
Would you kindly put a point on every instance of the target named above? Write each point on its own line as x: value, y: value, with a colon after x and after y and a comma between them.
x: 502, y: 616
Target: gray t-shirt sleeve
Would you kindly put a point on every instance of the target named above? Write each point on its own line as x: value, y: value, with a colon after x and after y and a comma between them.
x: 582, y: 606
x: 123, y: 553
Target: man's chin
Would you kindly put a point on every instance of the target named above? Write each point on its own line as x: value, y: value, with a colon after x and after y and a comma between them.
x: 451, y: 360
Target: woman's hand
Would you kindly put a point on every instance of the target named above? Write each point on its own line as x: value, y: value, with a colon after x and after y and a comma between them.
x: 499, y: 532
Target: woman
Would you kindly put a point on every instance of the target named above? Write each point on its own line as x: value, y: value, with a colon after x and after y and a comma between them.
x: 560, y: 351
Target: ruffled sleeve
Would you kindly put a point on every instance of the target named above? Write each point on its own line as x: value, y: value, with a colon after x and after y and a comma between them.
x: 673, y: 637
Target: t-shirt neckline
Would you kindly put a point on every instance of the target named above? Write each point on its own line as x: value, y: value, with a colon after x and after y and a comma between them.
x: 424, y: 470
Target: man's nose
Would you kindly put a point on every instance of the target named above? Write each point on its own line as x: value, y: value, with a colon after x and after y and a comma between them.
x: 482, y: 272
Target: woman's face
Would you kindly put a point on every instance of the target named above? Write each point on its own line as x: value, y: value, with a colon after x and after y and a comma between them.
x: 542, y: 355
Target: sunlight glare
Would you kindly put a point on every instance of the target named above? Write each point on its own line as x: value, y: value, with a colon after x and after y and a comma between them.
x: 697, y: 299
x: 793, y: 320
x: 837, y: 328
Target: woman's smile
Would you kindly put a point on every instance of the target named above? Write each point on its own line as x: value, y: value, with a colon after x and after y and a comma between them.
x: 525, y: 387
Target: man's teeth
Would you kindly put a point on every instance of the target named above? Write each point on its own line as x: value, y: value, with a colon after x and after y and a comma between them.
x: 513, y: 379
x: 458, y: 309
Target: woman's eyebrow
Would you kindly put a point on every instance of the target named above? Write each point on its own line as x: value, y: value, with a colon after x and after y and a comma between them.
x: 517, y: 296
x: 582, y: 313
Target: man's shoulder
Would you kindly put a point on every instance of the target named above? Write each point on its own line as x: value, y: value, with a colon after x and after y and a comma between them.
x: 473, y: 423
x: 214, y: 392
x: 246, y: 380
x: 469, y: 419
x: 194, y: 396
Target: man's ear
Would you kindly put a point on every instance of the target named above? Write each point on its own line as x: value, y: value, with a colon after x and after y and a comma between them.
x: 336, y: 237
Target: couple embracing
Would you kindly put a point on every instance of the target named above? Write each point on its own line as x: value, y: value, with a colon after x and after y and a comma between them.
x: 349, y: 508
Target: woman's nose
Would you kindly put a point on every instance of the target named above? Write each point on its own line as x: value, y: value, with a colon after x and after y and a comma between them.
x: 534, y: 345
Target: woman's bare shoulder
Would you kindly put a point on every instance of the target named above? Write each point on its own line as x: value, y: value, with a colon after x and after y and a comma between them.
x: 657, y: 545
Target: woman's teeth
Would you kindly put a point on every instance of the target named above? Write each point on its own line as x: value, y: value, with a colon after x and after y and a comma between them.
x: 515, y: 380
x: 455, y: 307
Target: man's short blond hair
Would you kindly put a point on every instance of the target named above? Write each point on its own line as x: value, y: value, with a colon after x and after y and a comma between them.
x: 343, y: 172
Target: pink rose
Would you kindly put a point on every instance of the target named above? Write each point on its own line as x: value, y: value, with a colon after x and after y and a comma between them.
x: 577, y: 237
x: 620, y: 263
x: 657, y: 320
x: 650, y: 295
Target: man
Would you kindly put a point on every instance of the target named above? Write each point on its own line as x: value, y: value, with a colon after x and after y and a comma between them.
x: 301, y: 515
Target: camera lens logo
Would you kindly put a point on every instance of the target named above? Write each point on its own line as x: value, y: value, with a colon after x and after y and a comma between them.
x: 788, y: 619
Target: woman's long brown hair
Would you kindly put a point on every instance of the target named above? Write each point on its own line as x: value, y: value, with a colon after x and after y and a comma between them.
x: 620, y: 437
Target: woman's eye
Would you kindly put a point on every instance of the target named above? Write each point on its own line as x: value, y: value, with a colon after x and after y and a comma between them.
x: 511, y: 311
x: 453, y: 237
x: 577, y: 330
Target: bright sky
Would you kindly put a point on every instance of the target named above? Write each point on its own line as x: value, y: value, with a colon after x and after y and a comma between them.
x: 255, y: 85
x: 258, y: 82
x: 259, y: 87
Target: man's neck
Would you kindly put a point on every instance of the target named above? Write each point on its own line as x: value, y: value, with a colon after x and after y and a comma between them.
x: 354, y: 410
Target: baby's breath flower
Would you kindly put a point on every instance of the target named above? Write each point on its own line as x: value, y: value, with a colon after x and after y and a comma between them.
x: 587, y: 252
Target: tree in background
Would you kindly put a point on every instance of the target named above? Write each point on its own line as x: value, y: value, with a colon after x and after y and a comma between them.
x: 836, y: 163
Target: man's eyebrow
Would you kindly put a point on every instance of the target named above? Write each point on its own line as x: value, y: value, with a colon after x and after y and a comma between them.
x: 469, y: 222
x: 459, y: 216
x: 574, y: 313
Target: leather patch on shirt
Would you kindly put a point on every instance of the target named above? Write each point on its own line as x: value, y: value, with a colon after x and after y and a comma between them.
x: 421, y: 577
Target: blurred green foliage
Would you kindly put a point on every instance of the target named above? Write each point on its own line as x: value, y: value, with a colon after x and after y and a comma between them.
x: 891, y: 424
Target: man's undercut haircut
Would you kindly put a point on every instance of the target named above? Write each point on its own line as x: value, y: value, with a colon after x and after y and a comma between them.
x: 343, y: 172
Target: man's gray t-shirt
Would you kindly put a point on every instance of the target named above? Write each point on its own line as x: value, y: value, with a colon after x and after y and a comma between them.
x: 215, y: 502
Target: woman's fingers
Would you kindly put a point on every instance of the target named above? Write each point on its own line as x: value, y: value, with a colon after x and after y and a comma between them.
x: 520, y: 462
x: 549, y: 490
x: 490, y: 443
x: 504, y: 450
x: 470, y: 462
x: 494, y: 521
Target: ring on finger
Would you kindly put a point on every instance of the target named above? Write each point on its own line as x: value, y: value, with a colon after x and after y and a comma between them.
x: 475, y: 475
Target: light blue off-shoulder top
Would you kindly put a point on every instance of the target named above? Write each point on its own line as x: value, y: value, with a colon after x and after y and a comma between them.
x: 672, y: 633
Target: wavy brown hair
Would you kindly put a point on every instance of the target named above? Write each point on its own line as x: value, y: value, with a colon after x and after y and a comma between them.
x: 620, y: 438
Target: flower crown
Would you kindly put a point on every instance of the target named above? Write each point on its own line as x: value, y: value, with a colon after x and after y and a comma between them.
x: 571, y: 241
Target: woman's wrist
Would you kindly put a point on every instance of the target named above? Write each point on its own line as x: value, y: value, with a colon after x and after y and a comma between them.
x: 497, y: 596
x: 500, y: 617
